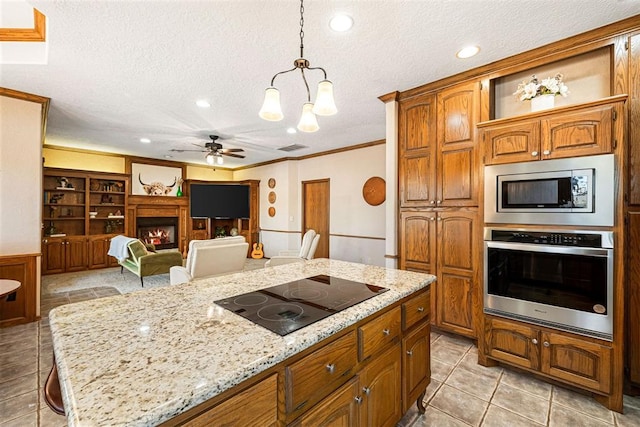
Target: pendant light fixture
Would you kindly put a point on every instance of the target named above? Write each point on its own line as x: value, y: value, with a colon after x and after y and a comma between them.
x: 324, y: 105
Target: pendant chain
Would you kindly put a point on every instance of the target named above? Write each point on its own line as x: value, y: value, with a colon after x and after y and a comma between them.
x: 301, y: 30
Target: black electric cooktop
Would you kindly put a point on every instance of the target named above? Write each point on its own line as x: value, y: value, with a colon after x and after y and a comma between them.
x: 288, y: 307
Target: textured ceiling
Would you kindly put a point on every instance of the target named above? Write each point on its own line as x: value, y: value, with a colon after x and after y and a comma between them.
x: 119, y: 71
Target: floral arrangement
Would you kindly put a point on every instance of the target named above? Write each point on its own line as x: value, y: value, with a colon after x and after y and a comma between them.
x: 534, y: 87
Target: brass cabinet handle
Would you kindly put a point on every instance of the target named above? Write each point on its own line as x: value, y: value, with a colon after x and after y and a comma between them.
x: 331, y: 368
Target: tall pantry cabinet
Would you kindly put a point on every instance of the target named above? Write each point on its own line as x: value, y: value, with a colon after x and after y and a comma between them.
x: 438, y: 194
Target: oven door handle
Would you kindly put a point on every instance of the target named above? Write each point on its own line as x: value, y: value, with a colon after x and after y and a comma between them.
x: 597, y: 252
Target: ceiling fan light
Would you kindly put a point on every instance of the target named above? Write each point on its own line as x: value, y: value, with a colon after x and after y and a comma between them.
x: 271, y: 109
x: 219, y: 160
x: 210, y: 158
x: 325, y: 105
x: 308, y: 122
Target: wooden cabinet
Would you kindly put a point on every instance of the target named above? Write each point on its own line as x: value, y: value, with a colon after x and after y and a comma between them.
x: 61, y: 255
x: 438, y: 160
x: 439, y: 189
x: 81, y: 212
x: 581, y: 130
x: 339, y: 409
x: 571, y: 359
x: 445, y: 243
x: 379, y: 333
x: 259, y: 405
x: 416, y: 364
x: 380, y: 385
x: 318, y: 374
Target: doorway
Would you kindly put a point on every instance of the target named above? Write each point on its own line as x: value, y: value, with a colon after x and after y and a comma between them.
x: 315, y: 212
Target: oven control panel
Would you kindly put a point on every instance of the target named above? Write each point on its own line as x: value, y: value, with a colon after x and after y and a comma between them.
x: 548, y: 238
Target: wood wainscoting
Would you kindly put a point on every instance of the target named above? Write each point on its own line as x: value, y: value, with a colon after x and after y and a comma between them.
x: 24, y: 307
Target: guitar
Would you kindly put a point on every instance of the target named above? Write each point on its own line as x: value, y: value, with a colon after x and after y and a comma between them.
x: 257, y: 253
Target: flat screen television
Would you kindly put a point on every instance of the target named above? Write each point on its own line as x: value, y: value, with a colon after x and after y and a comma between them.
x: 219, y: 201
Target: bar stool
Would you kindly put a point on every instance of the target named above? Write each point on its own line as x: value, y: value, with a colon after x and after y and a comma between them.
x: 52, y: 393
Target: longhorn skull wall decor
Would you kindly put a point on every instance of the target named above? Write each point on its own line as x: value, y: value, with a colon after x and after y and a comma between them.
x: 157, y: 188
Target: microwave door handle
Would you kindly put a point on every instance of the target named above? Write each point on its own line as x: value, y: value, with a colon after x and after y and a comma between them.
x: 597, y: 252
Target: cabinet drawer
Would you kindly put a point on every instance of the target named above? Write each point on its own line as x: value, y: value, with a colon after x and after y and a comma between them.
x: 319, y: 373
x: 416, y: 309
x: 378, y: 333
x: 257, y: 405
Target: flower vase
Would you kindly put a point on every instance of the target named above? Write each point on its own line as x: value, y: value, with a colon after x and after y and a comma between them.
x: 542, y: 102
x: 179, y: 192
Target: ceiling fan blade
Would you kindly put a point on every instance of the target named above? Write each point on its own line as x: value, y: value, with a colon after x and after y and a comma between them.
x: 178, y: 150
x: 233, y: 155
x: 232, y: 150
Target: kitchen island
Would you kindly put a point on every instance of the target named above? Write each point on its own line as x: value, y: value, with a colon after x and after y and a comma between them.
x: 172, y: 355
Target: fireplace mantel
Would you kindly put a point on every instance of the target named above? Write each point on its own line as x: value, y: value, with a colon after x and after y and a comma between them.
x: 160, y: 206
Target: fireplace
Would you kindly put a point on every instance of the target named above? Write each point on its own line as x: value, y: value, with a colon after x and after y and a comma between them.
x: 162, y: 232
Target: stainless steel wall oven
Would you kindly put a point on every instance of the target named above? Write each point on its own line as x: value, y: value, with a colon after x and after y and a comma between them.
x: 557, y: 278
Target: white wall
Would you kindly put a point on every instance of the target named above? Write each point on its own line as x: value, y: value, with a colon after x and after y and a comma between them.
x: 357, y: 230
x: 20, y: 176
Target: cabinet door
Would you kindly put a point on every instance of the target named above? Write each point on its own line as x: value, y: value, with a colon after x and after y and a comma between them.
x: 457, y: 272
x: 417, y: 152
x: 381, y: 395
x: 98, y: 247
x: 513, y: 343
x: 457, y: 161
x: 632, y: 286
x: 583, y: 133
x: 340, y: 409
x: 416, y: 364
x: 519, y: 142
x: 76, y: 254
x: 53, y: 256
x: 577, y: 361
x: 633, y: 139
x: 417, y: 241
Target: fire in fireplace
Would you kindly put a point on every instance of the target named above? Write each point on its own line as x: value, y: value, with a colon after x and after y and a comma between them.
x: 162, y: 232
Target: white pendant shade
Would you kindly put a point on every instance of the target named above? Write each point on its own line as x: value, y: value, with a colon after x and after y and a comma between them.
x: 308, y: 122
x: 219, y: 160
x: 271, y: 106
x: 325, y: 105
x: 211, y: 159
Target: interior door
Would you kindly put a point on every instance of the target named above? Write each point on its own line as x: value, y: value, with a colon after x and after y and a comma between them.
x: 315, y: 212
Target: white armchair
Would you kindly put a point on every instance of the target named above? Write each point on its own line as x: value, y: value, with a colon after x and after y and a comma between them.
x: 211, y: 258
x: 307, y: 251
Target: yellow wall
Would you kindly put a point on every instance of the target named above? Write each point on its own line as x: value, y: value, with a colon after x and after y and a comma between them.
x: 71, y: 159
x: 113, y: 163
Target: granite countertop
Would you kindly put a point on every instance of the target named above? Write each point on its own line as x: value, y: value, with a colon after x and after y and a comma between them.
x: 145, y: 357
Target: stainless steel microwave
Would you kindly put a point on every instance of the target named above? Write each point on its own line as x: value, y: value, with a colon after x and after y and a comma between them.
x: 573, y: 191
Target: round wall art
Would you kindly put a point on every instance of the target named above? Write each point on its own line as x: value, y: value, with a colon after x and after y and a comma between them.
x: 373, y: 191
x: 272, y: 182
x: 272, y: 197
x: 272, y: 211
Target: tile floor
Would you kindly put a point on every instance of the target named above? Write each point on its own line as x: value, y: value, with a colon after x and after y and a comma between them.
x: 461, y: 393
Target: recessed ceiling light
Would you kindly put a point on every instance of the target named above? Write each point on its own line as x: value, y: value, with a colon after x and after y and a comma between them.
x: 292, y: 130
x: 168, y: 156
x: 341, y: 23
x: 202, y: 103
x: 145, y: 140
x: 467, y: 52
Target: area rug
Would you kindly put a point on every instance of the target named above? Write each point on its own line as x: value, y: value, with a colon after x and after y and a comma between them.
x: 125, y: 282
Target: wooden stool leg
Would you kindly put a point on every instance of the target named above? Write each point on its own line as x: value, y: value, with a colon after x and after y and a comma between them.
x: 52, y: 393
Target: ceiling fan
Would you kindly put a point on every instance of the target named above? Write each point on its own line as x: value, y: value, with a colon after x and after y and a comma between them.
x: 215, y: 151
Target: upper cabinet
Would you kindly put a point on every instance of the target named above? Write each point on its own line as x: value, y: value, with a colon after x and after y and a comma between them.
x: 438, y: 159
x: 578, y: 130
